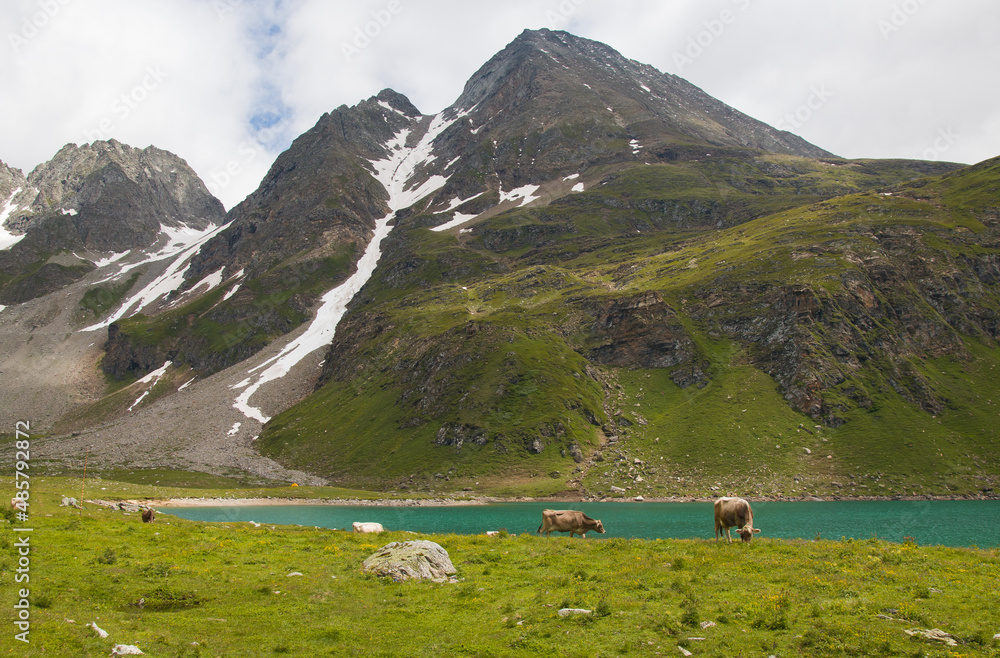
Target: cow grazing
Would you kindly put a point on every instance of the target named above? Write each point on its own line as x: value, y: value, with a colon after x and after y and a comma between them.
x: 367, y: 527
x: 734, y: 513
x: 571, y: 521
x: 148, y: 515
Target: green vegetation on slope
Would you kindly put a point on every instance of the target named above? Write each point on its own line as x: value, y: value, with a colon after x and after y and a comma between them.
x: 849, y: 330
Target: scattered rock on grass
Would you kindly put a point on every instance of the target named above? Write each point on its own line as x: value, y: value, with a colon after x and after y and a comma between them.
x: 100, y: 631
x: 934, y: 635
x: 566, y: 612
x: 126, y: 650
x: 420, y: 560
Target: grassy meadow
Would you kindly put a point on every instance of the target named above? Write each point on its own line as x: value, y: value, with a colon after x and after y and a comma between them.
x: 225, y: 589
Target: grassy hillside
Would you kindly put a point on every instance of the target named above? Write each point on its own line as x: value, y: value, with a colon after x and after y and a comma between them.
x: 224, y: 589
x: 764, y: 341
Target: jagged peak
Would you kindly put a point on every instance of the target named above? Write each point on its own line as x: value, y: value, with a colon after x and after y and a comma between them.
x: 398, y: 102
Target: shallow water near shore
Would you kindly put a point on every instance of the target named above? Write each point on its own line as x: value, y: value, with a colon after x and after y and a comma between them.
x: 926, y: 522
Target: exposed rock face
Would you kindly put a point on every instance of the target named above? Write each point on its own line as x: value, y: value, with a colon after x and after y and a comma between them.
x: 318, y: 195
x: 419, y: 560
x: 122, y: 356
x: 11, y: 180
x: 895, y: 304
x: 102, y: 197
x: 117, y: 196
x: 640, y: 330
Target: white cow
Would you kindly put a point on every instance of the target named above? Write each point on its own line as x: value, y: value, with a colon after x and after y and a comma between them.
x: 368, y: 527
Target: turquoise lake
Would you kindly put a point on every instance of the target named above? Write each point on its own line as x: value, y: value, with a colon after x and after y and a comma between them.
x: 937, y: 522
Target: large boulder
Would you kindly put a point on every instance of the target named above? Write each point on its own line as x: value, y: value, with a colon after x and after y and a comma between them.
x: 420, y: 559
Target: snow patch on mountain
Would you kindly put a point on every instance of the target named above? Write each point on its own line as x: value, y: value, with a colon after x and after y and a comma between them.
x: 153, y: 378
x: 525, y: 193
x: 457, y: 220
x: 208, y: 283
x: 182, y: 243
x: 8, y: 239
x: 113, y: 258
x: 456, y: 202
x: 232, y: 291
x: 396, y: 173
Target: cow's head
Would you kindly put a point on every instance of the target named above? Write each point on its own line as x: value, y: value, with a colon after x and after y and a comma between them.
x: 599, y: 527
x: 747, y: 532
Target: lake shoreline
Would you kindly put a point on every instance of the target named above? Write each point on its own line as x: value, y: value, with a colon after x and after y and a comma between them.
x: 487, y: 500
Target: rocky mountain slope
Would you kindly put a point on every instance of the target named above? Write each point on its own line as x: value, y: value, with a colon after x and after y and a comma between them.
x: 90, y: 201
x: 583, y: 274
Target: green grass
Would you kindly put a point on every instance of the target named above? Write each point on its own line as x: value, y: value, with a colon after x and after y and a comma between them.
x: 534, y: 305
x: 213, y: 589
x: 100, y: 300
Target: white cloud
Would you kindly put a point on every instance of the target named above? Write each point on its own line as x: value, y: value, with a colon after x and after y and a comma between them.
x: 202, y: 77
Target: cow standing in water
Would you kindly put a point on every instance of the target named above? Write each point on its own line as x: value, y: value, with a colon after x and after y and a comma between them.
x: 571, y: 521
x: 734, y: 513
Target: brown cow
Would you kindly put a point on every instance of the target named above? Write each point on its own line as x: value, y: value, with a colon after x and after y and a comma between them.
x: 571, y: 521
x: 148, y: 515
x: 734, y: 513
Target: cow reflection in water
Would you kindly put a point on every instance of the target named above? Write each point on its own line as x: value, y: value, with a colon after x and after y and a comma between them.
x: 571, y: 521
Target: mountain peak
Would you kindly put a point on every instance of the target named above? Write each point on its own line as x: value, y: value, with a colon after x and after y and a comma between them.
x: 590, y: 81
x: 398, y: 102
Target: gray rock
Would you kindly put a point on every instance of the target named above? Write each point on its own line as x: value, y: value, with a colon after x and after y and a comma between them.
x: 420, y: 559
x: 933, y: 635
x: 566, y: 612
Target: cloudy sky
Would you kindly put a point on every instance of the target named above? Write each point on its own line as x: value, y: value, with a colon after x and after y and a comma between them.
x: 227, y: 84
